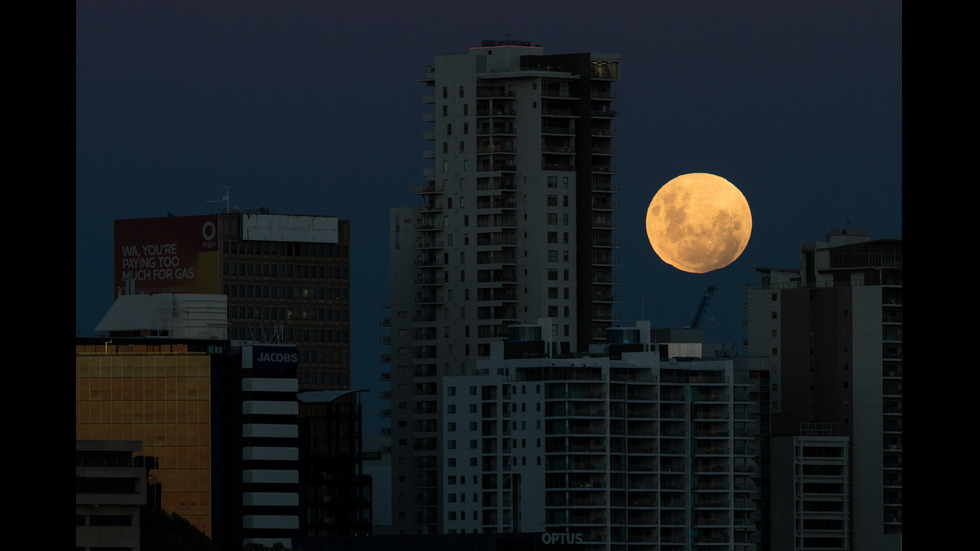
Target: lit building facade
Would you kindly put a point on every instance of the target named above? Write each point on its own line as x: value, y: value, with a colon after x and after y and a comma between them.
x: 219, y: 421
x: 158, y: 394
x: 287, y: 279
x: 514, y: 224
x: 833, y: 331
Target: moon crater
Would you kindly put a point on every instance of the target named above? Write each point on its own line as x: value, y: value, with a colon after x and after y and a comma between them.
x: 699, y: 223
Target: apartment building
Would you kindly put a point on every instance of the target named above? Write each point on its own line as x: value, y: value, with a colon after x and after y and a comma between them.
x: 513, y: 224
x: 833, y: 330
x: 630, y: 447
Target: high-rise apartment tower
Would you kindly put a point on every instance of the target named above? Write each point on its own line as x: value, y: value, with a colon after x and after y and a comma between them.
x: 833, y: 331
x: 514, y: 224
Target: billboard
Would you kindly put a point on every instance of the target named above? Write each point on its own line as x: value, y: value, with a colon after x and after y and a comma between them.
x: 290, y: 227
x: 177, y: 254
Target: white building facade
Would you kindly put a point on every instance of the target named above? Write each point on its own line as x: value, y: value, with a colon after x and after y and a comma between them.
x: 514, y: 224
x: 600, y: 451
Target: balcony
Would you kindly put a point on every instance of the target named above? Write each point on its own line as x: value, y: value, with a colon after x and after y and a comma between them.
x: 430, y: 225
x: 605, y: 113
x: 428, y: 243
x: 567, y: 165
x: 609, y: 169
x: 605, y: 243
x: 502, y: 129
x: 431, y: 187
x: 604, y: 184
x: 496, y: 239
x: 427, y: 208
x: 605, y: 132
x: 494, y: 257
x: 430, y: 261
x: 496, y: 202
x: 494, y: 92
x: 559, y: 129
x: 428, y: 298
x: 492, y: 164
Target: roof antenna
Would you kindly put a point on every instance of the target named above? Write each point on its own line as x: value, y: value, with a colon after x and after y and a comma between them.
x: 226, y: 200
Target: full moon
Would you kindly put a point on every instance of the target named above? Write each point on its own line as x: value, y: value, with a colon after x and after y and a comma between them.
x: 698, y: 223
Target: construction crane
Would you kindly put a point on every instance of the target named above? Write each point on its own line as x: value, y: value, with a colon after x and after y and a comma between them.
x: 701, y: 307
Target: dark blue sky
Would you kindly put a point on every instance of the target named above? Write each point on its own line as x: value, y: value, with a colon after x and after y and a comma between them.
x: 314, y: 108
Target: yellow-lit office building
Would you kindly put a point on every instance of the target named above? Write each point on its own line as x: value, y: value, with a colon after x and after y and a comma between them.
x: 160, y: 395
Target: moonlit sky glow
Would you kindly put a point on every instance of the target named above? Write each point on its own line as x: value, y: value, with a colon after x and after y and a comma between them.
x: 315, y: 108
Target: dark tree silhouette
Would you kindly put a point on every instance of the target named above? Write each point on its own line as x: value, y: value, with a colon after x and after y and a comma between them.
x: 160, y: 531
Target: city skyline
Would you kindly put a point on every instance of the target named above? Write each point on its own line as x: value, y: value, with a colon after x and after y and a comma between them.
x: 303, y: 110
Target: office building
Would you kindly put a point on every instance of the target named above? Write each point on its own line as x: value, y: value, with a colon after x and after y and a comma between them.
x: 833, y: 330
x: 220, y: 420
x: 287, y: 279
x: 514, y: 223
x: 632, y: 446
x: 269, y: 462
x: 159, y: 394
x: 337, y: 492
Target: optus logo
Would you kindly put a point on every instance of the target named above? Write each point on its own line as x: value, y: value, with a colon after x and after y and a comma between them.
x: 549, y: 538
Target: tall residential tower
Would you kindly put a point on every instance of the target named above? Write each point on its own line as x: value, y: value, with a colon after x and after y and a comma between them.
x: 833, y: 331
x: 514, y: 224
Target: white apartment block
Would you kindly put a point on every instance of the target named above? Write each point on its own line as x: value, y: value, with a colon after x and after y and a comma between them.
x: 597, y: 451
x: 513, y: 224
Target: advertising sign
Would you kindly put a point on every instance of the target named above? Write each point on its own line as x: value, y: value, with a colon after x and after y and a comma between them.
x: 283, y: 357
x: 177, y: 254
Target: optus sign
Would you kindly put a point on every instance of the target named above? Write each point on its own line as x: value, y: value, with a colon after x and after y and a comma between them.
x: 562, y: 538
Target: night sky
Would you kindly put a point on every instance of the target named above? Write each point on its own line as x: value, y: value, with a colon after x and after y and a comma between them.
x: 311, y: 107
